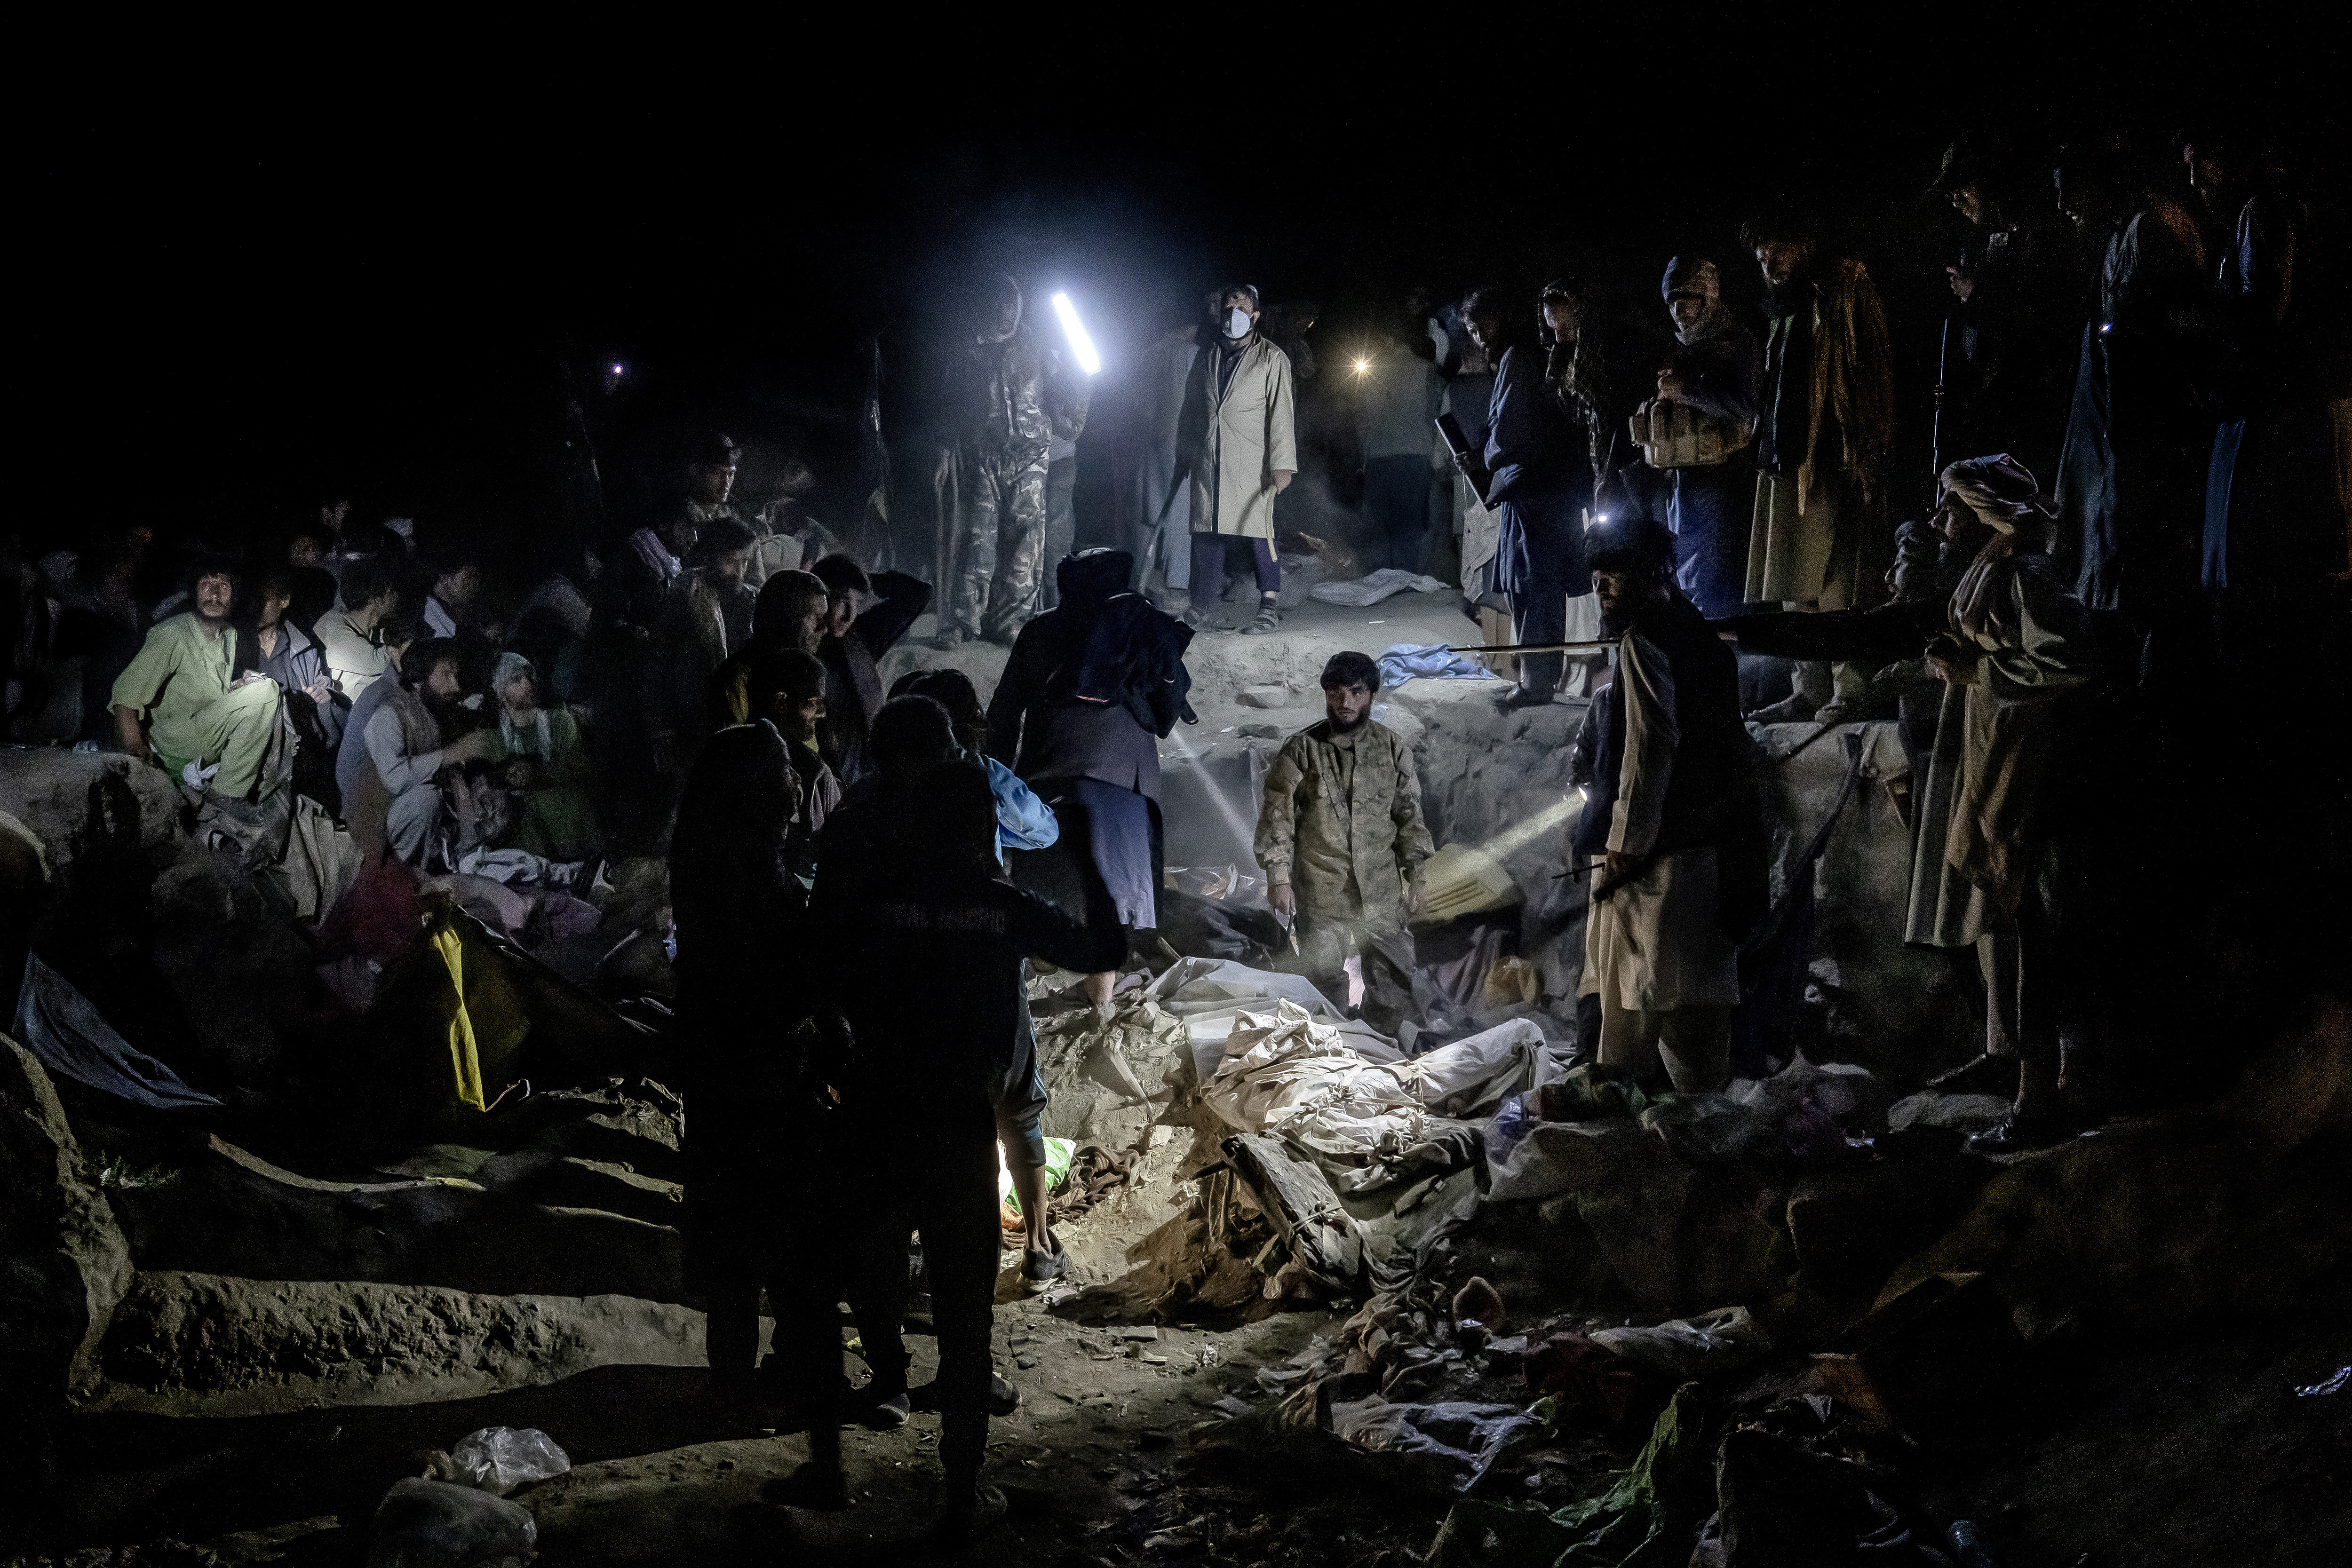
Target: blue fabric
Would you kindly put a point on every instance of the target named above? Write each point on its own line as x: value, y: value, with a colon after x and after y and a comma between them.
x: 1711, y: 511
x: 1022, y: 821
x: 1118, y: 834
x: 1432, y: 662
x: 1211, y: 552
x: 1542, y: 483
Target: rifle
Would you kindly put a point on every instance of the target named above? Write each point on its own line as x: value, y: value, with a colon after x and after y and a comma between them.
x: 1457, y: 444
x: 1936, y: 424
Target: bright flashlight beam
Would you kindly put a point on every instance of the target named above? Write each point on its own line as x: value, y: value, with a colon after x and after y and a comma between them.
x: 1510, y: 839
x: 1080, y: 344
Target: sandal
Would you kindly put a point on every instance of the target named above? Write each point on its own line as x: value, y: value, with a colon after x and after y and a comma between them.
x: 1269, y: 618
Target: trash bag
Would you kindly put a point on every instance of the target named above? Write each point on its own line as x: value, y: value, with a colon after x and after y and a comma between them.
x: 433, y: 1524
x: 497, y: 1459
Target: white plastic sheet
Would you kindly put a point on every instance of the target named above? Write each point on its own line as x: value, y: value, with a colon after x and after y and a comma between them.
x: 1208, y: 993
x: 1288, y: 1074
x: 1371, y: 590
x: 497, y: 1459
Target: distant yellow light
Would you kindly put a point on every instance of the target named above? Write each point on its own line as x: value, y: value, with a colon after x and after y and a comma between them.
x: 1363, y: 365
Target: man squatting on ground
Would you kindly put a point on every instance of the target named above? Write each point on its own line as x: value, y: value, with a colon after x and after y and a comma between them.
x: 1341, y: 838
x: 177, y: 703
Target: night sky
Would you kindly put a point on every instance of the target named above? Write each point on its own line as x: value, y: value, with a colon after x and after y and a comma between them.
x: 255, y: 285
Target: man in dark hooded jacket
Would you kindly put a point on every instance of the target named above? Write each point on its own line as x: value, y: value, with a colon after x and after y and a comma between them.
x: 1089, y: 758
x: 762, y: 1140
x: 924, y: 964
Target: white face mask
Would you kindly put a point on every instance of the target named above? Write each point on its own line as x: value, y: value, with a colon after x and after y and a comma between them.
x: 1238, y: 323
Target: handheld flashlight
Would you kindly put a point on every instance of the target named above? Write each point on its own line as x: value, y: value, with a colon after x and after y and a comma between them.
x: 1082, y: 345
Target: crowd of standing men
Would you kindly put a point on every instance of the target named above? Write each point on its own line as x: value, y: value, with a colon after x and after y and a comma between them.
x: 2152, y: 495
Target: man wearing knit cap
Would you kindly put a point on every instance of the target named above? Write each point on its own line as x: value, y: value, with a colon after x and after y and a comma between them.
x: 1712, y: 377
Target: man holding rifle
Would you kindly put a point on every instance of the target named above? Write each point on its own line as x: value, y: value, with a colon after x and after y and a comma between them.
x: 1663, y: 826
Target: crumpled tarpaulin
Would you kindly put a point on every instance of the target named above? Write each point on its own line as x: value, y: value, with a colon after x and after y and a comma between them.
x: 1291, y: 1075
x: 1209, y: 993
x: 1428, y: 662
x: 1681, y: 1350
x: 522, y: 865
x: 58, y: 1024
x: 1593, y: 1128
x: 1371, y: 590
x: 1452, y: 1444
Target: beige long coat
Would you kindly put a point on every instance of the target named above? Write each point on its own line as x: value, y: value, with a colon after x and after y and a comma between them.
x: 1237, y: 439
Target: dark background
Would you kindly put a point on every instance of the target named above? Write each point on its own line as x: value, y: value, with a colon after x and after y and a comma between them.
x: 384, y: 273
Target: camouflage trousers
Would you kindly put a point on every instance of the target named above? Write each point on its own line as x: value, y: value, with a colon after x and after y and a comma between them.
x: 1003, y: 563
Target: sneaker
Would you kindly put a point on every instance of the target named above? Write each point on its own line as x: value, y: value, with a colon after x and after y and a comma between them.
x: 1519, y: 696
x: 2020, y: 1134
x: 883, y: 1415
x: 1859, y: 710
x: 1004, y: 1399
x: 1039, y: 1266
x: 1794, y: 708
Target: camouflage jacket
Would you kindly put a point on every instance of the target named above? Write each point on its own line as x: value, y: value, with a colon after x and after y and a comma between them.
x: 1341, y: 823
x: 1006, y: 405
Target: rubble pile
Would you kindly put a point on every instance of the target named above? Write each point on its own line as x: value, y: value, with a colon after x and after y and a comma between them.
x: 1541, y: 1314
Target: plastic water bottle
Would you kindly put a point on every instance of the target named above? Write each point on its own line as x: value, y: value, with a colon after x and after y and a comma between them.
x: 1969, y: 1547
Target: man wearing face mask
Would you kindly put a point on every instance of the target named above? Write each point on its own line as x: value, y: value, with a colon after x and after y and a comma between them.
x: 1713, y: 376
x: 1006, y: 410
x: 1239, y: 440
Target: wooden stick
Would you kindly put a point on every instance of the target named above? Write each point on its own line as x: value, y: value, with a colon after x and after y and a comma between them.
x: 1529, y: 647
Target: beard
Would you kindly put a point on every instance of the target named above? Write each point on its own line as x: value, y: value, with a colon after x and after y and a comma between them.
x: 1349, y: 726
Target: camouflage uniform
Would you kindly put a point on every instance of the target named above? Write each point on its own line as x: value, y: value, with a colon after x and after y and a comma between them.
x: 1008, y: 430
x: 1341, y: 825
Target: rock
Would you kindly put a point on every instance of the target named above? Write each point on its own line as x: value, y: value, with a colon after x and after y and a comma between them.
x: 67, y: 1265
x: 189, y: 1344
x: 48, y: 790
x: 232, y: 1212
x: 2153, y: 1223
x: 1851, y: 1226
x: 1264, y: 696
x: 570, y: 1183
x: 234, y: 961
x: 1958, y: 1113
x: 432, y: 1521
x: 1939, y: 1361
x: 643, y: 1132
